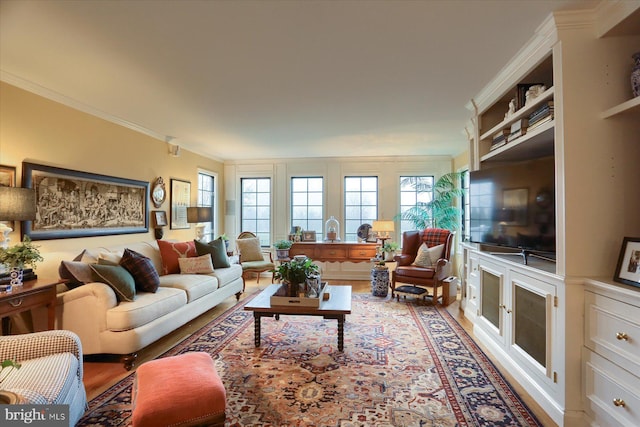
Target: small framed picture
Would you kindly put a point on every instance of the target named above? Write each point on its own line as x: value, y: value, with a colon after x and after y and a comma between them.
x: 7, y: 176
x: 160, y: 218
x: 308, y: 236
x: 628, y: 269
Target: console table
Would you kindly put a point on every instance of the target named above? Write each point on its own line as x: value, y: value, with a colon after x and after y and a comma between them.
x: 32, y: 294
x: 335, y: 251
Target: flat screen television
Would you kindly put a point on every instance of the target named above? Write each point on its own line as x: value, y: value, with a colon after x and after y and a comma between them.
x: 512, y: 205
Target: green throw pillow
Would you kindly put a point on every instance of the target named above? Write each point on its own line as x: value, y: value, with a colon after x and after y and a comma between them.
x: 218, y: 251
x: 120, y: 280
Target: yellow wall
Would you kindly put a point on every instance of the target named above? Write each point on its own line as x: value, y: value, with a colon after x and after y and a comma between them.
x: 42, y: 131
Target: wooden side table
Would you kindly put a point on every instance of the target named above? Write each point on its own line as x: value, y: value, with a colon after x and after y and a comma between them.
x: 32, y: 294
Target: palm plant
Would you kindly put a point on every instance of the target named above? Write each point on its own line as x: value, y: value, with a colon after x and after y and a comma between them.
x: 441, y: 211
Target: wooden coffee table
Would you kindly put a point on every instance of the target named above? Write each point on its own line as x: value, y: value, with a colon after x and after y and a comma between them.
x: 336, y: 307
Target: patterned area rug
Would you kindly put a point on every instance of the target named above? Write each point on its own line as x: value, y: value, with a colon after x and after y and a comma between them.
x: 403, y: 365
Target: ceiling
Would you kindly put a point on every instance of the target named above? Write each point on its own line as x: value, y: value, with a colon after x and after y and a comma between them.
x: 272, y: 79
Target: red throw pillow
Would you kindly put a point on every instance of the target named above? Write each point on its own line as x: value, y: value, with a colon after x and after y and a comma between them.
x: 171, y: 251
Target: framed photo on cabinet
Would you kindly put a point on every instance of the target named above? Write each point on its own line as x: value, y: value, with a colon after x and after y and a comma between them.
x: 628, y: 269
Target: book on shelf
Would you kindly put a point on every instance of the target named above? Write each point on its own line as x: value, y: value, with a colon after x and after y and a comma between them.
x: 519, y: 125
x: 541, y: 122
x: 498, y: 144
x: 541, y: 112
x: 500, y: 136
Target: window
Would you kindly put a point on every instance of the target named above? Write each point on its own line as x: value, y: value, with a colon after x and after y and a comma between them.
x: 360, y: 204
x: 466, y: 222
x: 206, y: 197
x: 415, y: 191
x: 306, y: 203
x: 256, y: 208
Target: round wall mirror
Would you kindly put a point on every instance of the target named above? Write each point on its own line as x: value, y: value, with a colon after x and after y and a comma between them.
x: 158, y: 193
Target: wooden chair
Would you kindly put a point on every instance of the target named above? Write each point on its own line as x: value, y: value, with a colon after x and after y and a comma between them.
x: 423, y: 276
x: 252, y: 256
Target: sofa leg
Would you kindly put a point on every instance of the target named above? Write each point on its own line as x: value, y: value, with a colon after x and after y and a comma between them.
x: 238, y: 295
x: 129, y: 360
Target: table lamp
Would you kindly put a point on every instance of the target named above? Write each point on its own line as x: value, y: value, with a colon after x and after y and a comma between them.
x: 197, y: 215
x: 382, y: 229
x: 16, y: 204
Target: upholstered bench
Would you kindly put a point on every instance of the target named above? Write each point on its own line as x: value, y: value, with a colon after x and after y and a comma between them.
x: 183, y: 390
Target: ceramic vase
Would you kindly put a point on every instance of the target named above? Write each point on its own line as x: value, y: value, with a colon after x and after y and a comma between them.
x: 635, y: 75
x: 16, y: 275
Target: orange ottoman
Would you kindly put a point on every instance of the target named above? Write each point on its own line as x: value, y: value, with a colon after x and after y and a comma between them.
x: 183, y: 390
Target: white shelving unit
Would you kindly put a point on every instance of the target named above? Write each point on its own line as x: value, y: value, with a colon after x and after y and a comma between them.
x: 584, y: 59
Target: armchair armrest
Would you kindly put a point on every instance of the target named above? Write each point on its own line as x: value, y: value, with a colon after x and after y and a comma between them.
x: 40, y: 344
x: 268, y: 252
x: 402, y: 259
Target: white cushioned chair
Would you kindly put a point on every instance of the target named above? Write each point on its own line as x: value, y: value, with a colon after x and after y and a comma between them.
x: 51, y: 371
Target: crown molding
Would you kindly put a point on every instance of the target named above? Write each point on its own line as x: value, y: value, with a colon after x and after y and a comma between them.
x: 75, y: 104
x: 610, y: 13
x: 531, y: 54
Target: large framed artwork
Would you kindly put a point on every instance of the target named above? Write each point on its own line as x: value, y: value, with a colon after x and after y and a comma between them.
x: 71, y: 203
x: 180, y: 199
x: 628, y: 268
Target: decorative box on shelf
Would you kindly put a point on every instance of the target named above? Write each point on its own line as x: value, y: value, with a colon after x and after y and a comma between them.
x: 281, y: 298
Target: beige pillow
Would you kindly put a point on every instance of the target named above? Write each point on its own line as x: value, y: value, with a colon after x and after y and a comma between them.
x: 196, y: 265
x: 428, y: 257
x: 250, y: 249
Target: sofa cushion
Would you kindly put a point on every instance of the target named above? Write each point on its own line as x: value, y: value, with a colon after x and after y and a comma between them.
x: 228, y: 275
x: 217, y: 250
x: 196, y: 265
x: 142, y: 269
x: 145, y: 309
x: 413, y: 271
x: 250, y: 249
x: 171, y: 251
x: 118, y: 278
x: 77, y: 273
x: 53, y: 377
x: 195, y: 285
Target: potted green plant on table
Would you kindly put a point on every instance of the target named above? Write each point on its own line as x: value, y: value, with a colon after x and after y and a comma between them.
x: 295, y: 273
x: 282, y: 249
x: 389, y: 249
x: 17, y: 257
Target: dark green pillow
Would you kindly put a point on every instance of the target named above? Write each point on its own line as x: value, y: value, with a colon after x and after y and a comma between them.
x: 217, y: 250
x: 120, y: 280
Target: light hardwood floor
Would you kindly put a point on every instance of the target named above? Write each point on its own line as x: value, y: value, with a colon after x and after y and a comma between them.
x: 102, y: 372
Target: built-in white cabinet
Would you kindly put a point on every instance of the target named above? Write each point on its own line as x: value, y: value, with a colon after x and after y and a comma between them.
x: 517, y: 319
x: 532, y: 317
x: 611, y: 356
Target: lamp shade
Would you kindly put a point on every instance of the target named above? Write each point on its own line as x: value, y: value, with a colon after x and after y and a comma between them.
x: 199, y: 214
x: 386, y: 226
x: 17, y: 204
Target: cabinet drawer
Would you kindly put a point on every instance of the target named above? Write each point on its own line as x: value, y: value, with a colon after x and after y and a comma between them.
x: 612, y: 329
x: 363, y: 253
x: 613, y: 397
x: 332, y: 253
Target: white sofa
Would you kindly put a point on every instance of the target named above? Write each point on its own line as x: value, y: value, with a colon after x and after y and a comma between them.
x: 106, y: 326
